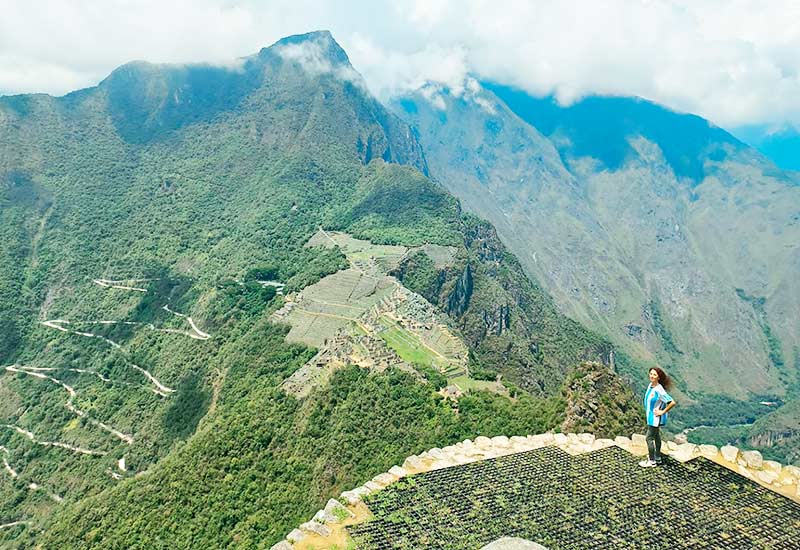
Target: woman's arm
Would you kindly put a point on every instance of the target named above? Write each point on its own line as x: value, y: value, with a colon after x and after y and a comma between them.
x: 666, y: 409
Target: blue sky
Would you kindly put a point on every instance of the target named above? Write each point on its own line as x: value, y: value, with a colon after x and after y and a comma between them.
x: 735, y: 62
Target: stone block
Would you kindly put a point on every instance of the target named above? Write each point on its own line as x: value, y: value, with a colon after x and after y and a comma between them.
x: 350, y: 497
x: 295, y: 536
x: 622, y: 441
x: 745, y: 472
x: 500, y: 441
x: 601, y: 443
x: 772, y: 466
x: 467, y: 444
x: 767, y: 476
x: 323, y: 517
x: 586, y: 438
x: 708, y: 450
x: 283, y: 545
x: 541, y: 439
x: 385, y: 479
x: 441, y: 464
x: 483, y: 442
x: 792, y: 472
x: 398, y: 471
x: 337, y: 511
x: 680, y: 439
x: 316, y: 527
x: 685, y: 452
x: 560, y: 439
x: 753, y: 459
x: 518, y: 440
x: 670, y: 445
x: 729, y: 453
x: 372, y: 486
x: 460, y: 458
x: 638, y: 440
x: 436, y: 453
x: 414, y: 463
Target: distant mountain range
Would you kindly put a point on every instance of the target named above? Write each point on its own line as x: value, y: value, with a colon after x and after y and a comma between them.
x: 659, y: 230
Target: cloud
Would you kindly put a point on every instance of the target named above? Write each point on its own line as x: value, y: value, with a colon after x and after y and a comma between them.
x: 732, y: 61
x: 312, y: 56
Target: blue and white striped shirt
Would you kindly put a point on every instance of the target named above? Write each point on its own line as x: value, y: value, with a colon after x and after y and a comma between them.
x: 656, y: 398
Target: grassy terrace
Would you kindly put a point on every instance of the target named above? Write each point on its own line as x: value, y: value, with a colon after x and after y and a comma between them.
x: 601, y: 499
x: 411, y: 348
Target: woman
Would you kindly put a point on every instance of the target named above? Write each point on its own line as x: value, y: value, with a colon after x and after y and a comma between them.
x: 657, y: 403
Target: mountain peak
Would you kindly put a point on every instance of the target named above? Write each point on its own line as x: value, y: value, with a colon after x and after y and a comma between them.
x: 319, y: 45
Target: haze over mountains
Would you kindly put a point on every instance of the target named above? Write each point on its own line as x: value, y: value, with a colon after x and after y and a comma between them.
x: 147, y: 223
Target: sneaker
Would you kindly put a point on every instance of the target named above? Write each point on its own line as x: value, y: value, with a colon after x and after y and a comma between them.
x: 647, y: 464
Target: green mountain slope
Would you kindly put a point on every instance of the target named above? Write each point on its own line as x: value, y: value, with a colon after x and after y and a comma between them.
x: 140, y: 392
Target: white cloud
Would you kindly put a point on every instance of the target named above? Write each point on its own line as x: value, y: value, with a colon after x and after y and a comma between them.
x: 312, y: 57
x: 733, y: 61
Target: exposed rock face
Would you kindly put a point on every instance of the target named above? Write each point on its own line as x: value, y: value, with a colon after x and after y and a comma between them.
x: 771, y: 437
x: 507, y: 321
x: 599, y: 402
x: 458, y: 301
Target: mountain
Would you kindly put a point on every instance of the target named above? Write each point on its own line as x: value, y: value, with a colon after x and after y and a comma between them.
x: 657, y: 229
x: 154, y: 226
x: 782, y: 146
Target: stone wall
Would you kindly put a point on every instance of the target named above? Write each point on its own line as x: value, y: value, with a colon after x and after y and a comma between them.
x: 326, y: 528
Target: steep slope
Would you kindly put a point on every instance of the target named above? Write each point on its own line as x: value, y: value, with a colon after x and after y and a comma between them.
x: 141, y: 401
x: 640, y: 222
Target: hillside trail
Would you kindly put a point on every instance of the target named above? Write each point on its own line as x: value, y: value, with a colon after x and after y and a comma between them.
x: 58, y: 324
x: 68, y: 447
x: 108, y: 283
x: 11, y: 471
x: 69, y: 404
x: 198, y: 334
x: 32, y: 486
x: 15, y: 523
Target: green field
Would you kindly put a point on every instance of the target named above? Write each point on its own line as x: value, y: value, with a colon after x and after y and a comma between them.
x: 408, y: 346
x: 466, y: 384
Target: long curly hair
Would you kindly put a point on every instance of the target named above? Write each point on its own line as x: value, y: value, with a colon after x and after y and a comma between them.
x: 663, y: 379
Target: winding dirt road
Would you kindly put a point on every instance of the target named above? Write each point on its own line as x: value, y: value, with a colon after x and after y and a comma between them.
x: 29, y: 435
x: 120, y: 284
x: 69, y: 405
x: 57, y: 324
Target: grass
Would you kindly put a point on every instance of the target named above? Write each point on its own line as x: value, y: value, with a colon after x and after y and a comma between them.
x: 466, y: 383
x: 407, y: 345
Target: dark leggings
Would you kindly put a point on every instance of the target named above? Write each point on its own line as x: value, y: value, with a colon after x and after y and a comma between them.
x: 654, y: 443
